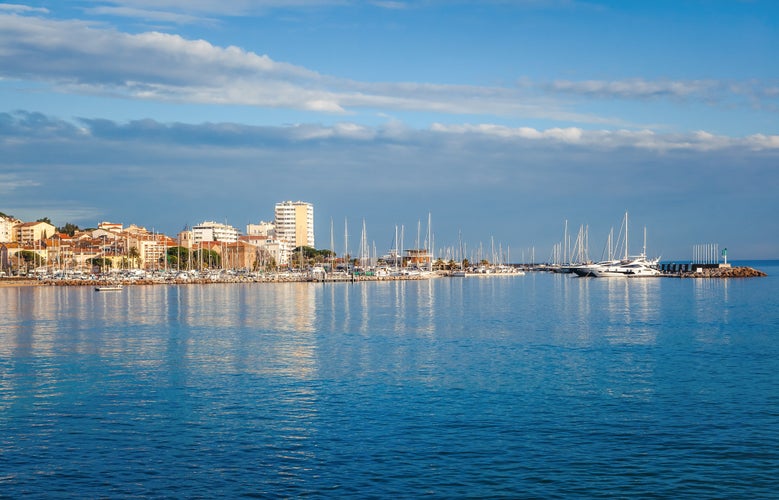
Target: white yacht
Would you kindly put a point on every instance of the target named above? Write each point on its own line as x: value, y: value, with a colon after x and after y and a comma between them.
x: 632, y: 268
x: 638, y: 266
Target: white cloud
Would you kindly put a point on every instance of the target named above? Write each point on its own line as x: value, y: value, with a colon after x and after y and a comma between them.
x: 14, y: 182
x: 142, y: 8
x: 612, y: 139
x: 635, y: 88
x: 482, y: 177
x: 147, y: 15
x: 9, y: 7
x: 80, y: 57
x: 755, y: 94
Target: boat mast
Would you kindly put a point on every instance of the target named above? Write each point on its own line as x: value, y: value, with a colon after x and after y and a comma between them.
x: 332, y: 245
x: 626, y: 235
x: 430, y: 240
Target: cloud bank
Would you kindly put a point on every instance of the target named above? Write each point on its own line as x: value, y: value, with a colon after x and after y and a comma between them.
x: 87, y: 58
x: 171, y: 174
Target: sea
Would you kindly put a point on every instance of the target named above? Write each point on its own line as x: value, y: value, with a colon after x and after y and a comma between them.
x: 535, y: 386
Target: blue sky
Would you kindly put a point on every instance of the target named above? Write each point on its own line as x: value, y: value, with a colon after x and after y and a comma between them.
x: 501, y: 118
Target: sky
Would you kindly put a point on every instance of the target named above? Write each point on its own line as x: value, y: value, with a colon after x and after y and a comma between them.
x: 499, y: 120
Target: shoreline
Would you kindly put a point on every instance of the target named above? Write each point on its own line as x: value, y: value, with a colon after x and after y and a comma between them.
x: 720, y: 273
x: 23, y: 282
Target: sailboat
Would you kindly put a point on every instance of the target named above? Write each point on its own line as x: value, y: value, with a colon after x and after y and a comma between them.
x: 636, y: 266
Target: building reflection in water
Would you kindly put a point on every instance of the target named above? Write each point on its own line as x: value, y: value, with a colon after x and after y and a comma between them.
x: 633, y: 306
x: 710, y: 310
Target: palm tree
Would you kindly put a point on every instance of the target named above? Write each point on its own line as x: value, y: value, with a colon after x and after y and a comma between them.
x: 134, y: 255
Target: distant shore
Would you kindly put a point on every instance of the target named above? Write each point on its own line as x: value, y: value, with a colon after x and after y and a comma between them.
x: 732, y: 272
x: 15, y: 282
x: 6, y: 282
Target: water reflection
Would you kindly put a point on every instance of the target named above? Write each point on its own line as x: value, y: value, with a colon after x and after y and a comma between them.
x: 633, y: 310
x: 425, y: 330
x: 711, y: 310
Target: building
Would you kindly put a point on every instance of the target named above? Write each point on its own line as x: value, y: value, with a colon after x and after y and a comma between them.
x: 214, y: 231
x: 266, y: 229
x: 268, y: 251
x: 152, y: 251
x: 111, y: 226
x: 30, y: 232
x: 295, y: 223
x: 8, y: 229
x: 186, y: 239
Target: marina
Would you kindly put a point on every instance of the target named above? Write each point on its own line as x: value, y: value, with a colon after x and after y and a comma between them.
x: 545, y: 385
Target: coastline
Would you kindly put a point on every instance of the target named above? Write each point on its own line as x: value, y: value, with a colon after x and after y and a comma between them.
x: 17, y: 282
x: 720, y: 273
x: 9, y: 282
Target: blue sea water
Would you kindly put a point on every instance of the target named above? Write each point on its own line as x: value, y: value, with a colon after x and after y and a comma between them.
x: 540, y: 386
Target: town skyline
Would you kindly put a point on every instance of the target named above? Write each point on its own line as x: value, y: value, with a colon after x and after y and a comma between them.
x: 502, y: 119
x: 575, y: 244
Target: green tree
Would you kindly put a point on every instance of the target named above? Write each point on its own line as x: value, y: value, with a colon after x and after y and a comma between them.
x: 208, y: 259
x: 178, y: 257
x: 134, y: 256
x: 101, y: 262
x: 44, y: 219
x: 30, y: 258
x: 68, y: 228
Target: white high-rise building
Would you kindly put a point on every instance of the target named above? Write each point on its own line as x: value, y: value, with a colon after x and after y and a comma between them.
x: 295, y: 223
x: 214, y: 231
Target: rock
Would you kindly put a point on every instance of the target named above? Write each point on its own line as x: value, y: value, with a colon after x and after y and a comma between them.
x: 726, y: 272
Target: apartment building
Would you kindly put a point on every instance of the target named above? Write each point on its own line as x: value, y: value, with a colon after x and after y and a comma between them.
x: 294, y: 222
x: 214, y: 231
x: 263, y: 228
x: 30, y: 232
x: 8, y: 229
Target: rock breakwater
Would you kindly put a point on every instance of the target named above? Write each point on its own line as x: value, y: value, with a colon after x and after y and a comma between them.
x: 725, y: 272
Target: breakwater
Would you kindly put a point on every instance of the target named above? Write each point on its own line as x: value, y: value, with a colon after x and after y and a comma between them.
x: 708, y: 271
x: 723, y: 272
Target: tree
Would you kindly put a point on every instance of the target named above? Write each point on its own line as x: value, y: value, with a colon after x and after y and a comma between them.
x: 178, y: 257
x: 100, y: 262
x: 134, y: 256
x: 29, y: 257
x: 68, y: 228
x: 264, y: 261
x: 44, y: 219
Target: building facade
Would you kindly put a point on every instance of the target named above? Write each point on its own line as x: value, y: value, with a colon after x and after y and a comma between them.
x: 214, y: 231
x: 266, y: 229
x: 295, y: 223
x: 30, y: 232
x: 8, y: 229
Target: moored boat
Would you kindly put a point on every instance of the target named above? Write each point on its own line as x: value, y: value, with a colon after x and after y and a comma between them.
x: 109, y: 288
